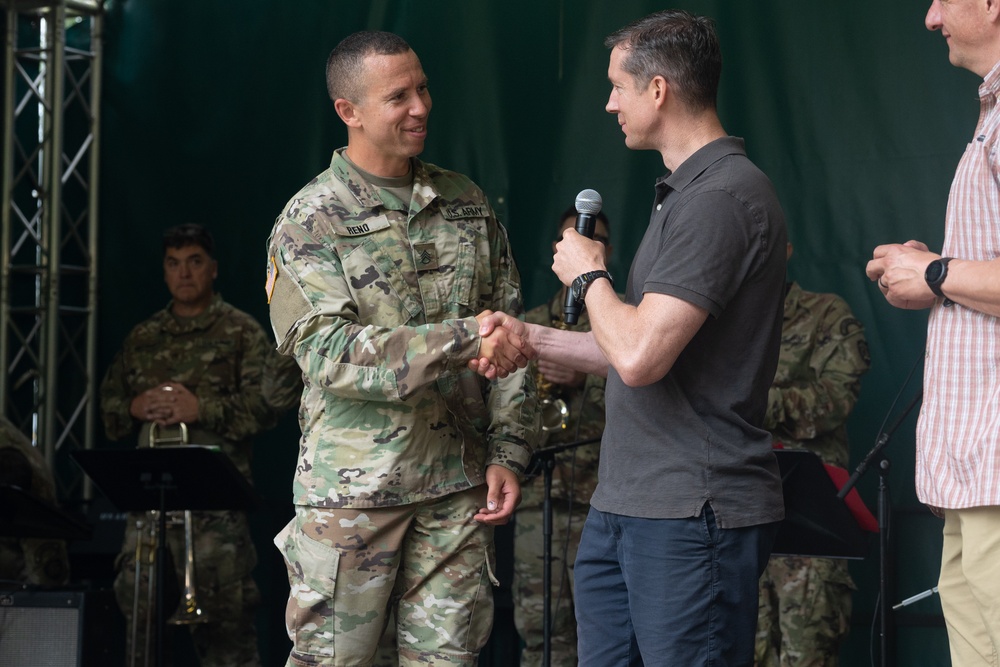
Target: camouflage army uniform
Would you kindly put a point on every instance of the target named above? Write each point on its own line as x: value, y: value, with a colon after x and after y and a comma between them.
x: 573, y: 480
x: 220, y: 356
x: 805, y: 603
x: 29, y: 560
x: 282, y: 383
x: 376, y: 298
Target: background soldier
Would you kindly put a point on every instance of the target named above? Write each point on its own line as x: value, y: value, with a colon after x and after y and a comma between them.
x: 35, y: 561
x: 573, y: 480
x: 201, y: 362
x: 805, y: 603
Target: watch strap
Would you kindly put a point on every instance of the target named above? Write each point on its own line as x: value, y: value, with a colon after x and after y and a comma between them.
x: 583, y: 281
x: 936, y: 283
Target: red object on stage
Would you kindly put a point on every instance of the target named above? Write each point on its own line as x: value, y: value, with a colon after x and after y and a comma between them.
x: 862, y: 515
x: 859, y: 511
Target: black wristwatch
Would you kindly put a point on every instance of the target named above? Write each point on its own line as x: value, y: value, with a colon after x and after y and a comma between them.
x: 579, y: 287
x: 935, y: 274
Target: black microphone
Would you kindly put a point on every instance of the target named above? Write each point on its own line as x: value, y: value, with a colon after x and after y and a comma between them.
x: 588, y: 205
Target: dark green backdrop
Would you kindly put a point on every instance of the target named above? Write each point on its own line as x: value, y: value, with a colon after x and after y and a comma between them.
x: 216, y: 112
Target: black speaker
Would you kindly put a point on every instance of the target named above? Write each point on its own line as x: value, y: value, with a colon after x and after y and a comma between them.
x: 46, y: 628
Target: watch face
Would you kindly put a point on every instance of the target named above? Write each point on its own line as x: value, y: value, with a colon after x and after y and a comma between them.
x: 934, y: 271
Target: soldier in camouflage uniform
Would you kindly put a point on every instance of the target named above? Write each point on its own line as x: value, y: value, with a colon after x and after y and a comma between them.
x: 376, y: 272
x: 201, y: 362
x: 574, y: 477
x: 805, y: 603
x: 29, y: 560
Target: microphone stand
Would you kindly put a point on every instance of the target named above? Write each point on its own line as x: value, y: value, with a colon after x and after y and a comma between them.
x: 547, y: 461
x: 883, y: 521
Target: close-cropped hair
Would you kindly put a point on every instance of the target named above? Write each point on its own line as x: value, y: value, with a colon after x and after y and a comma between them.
x: 189, y: 234
x: 679, y: 46
x: 345, y: 66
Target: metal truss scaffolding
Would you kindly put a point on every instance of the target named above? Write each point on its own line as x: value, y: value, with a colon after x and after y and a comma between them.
x: 51, y: 103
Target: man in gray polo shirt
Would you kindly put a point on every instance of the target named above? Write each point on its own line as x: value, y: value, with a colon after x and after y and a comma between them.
x: 688, y: 497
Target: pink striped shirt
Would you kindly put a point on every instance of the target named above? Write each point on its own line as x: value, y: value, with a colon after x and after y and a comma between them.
x: 958, y: 433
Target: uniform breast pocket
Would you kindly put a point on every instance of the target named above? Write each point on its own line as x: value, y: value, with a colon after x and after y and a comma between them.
x: 471, y: 283
x: 379, y: 291
x: 220, y: 361
x: 465, y: 286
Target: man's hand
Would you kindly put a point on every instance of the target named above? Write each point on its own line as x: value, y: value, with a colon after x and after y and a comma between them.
x: 576, y: 254
x: 504, y: 347
x: 502, y: 496
x: 166, y: 404
x: 899, y: 271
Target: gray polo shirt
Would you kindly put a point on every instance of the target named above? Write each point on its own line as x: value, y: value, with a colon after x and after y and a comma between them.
x: 716, y: 238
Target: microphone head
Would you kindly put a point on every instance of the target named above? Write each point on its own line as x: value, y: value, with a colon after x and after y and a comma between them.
x: 588, y: 202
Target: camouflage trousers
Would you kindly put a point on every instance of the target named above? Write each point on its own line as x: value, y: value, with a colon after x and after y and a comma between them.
x: 528, y: 589
x: 225, y: 591
x: 429, y: 563
x: 804, y: 612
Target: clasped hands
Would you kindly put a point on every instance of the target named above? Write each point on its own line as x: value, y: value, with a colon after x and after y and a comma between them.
x: 504, y: 347
x: 899, y: 268
x: 166, y: 404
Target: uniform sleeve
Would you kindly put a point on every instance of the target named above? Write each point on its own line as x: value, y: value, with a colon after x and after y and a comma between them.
x: 316, y: 321
x: 812, y: 406
x: 116, y: 399
x: 243, y: 412
x: 282, y: 382
x: 40, y: 562
x: 513, y: 404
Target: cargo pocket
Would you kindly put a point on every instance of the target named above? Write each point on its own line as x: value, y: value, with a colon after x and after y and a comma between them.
x: 312, y: 577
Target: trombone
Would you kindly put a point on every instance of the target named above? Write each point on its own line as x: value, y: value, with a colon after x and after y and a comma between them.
x: 188, y: 611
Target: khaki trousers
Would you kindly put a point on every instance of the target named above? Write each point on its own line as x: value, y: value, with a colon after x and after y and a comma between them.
x: 970, y: 585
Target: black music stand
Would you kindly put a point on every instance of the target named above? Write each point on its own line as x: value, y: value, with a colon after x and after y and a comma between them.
x: 24, y: 515
x: 167, y: 478
x: 817, y: 523
x: 546, y: 460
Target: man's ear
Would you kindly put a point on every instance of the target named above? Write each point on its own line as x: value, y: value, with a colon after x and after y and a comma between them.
x: 660, y: 87
x: 993, y: 10
x: 347, y: 112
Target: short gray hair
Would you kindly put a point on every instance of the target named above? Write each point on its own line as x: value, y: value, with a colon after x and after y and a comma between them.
x: 681, y: 47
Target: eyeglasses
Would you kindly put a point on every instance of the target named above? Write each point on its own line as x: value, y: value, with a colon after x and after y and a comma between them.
x: 597, y: 237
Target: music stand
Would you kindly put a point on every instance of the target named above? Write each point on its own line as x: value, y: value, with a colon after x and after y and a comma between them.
x: 23, y: 515
x: 817, y: 523
x: 177, y: 477
x: 546, y: 458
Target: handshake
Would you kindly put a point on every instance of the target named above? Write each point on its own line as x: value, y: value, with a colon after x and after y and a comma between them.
x: 506, y: 345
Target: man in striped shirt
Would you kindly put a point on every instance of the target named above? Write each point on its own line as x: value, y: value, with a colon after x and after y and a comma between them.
x: 958, y: 433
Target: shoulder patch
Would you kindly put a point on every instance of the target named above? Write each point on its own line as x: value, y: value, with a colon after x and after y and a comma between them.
x: 288, y: 306
x: 272, y: 276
